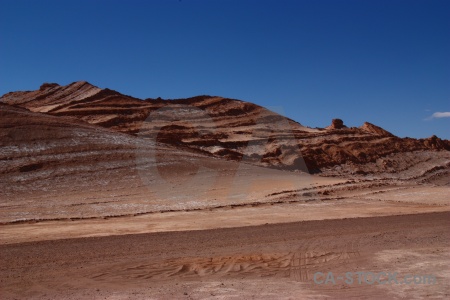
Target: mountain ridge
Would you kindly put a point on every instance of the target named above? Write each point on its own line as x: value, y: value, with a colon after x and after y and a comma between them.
x: 222, y: 127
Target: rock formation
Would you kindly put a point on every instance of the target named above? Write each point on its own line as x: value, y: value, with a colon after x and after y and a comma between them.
x: 221, y: 127
x: 336, y: 124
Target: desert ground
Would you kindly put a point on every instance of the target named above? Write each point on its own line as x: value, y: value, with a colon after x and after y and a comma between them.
x: 273, y: 261
x: 269, y: 249
x: 92, y: 209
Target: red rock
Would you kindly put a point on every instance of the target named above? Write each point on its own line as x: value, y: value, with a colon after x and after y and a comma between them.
x: 221, y: 127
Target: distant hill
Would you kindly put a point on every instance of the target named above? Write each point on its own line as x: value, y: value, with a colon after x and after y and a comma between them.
x: 221, y: 127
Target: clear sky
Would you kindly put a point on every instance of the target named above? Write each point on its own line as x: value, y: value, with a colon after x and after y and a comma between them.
x: 386, y: 62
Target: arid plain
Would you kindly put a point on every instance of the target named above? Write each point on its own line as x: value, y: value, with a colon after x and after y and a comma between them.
x: 107, y: 196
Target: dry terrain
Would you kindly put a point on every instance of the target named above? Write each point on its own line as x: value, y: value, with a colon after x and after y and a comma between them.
x: 265, y: 262
x: 105, y: 196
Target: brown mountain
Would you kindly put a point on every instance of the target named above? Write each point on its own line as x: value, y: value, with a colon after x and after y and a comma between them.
x: 166, y: 215
x: 222, y: 127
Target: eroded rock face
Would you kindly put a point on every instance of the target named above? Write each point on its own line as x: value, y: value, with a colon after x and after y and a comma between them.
x: 222, y: 127
x: 434, y: 142
x: 58, y: 167
x: 51, y: 96
x: 370, y: 128
x: 46, y: 86
x: 336, y: 124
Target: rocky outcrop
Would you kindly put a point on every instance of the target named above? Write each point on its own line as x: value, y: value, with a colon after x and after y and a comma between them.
x: 434, y: 142
x: 46, y: 86
x: 370, y: 128
x: 51, y: 96
x: 222, y: 127
x: 336, y: 124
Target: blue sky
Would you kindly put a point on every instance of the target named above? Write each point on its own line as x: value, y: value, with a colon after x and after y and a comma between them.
x: 386, y: 62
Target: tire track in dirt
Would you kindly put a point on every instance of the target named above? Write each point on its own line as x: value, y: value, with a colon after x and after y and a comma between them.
x: 297, y: 265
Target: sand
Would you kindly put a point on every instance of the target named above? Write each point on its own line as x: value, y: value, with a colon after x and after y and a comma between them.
x: 263, y: 262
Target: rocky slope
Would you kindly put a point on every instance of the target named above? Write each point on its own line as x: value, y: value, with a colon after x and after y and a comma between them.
x: 55, y: 168
x: 221, y: 127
